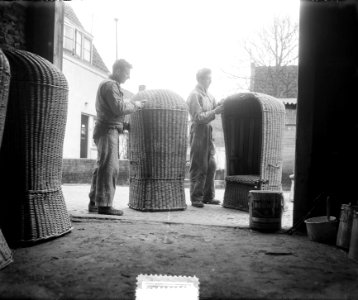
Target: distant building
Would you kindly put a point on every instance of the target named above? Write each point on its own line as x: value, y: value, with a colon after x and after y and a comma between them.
x: 84, y: 70
x: 279, y: 82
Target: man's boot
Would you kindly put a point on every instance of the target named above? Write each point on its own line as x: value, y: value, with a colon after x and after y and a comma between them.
x: 92, y: 207
x: 212, y: 201
x: 197, y: 204
x: 108, y: 210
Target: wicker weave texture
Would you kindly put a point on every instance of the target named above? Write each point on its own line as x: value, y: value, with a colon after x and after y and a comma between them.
x: 267, y: 159
x: 5, y: 253
x: 32, y: 150
x: 272, y: 137
x: 236, y: 195
x: 245, y: 179
x: 4, y: 90
x: 157, y: 149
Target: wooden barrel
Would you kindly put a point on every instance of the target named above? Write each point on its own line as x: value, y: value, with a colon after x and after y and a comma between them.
x: 345, y: 226
x: 353, y: 245
x: 265, y: 208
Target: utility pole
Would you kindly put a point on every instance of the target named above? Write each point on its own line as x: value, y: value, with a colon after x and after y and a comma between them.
x: 116, y: 20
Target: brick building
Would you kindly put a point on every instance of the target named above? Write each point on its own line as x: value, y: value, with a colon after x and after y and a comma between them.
x: 279, y: 82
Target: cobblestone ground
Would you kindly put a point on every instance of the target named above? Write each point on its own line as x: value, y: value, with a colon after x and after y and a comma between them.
x: 76, y: 197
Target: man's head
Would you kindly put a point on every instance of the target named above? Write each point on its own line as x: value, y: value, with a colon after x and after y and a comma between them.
x: 121, y: 70
x: 203, y: 76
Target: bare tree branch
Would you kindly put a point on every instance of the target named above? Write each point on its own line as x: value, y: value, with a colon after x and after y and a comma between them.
x: 276, y: 48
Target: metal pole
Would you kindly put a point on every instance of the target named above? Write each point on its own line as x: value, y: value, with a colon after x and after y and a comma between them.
x: 116, y: 20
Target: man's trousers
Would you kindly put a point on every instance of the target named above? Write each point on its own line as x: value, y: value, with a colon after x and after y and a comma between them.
x: 105, y: 175
x: 202, y: 163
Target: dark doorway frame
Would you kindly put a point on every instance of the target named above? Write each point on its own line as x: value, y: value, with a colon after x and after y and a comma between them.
x: 84, y: 136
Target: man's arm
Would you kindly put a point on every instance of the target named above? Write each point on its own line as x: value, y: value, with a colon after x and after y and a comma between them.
x: 114, y: 99
x: 196, y: 111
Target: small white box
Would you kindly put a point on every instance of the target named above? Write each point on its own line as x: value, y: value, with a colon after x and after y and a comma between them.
x: 160, y: 287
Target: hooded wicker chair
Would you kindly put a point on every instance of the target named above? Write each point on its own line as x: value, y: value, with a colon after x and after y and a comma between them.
x: 31, y: 152
x: 5, y: 252
x: 253, y: 131
x: 4, y: 90
x: 157, y: 152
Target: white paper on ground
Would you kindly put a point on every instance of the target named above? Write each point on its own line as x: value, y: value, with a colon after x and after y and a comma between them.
x: 167, y: 287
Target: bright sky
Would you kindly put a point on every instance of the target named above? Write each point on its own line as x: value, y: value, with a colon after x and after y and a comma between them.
x: 167, y: 41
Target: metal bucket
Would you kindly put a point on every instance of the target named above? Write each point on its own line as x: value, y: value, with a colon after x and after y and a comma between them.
x: 321, y: 229
x: 265, y: 208
x: 353, y: 247
x: 5, y: 253
x: 345, y: 226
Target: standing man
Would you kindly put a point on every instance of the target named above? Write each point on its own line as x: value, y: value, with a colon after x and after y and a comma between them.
x: 202, y: 109
x: 111, y: 109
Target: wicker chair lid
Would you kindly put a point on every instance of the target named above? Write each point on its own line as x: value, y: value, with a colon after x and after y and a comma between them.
x: 267, y: 102
x: 29, y: 67
x: 161, y: 99
x: 4, y: 64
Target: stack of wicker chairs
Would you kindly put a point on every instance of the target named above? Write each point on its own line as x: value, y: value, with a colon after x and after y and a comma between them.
x: 157, y: 149
x: 253, y: 131
x: 5, y: 252
x: 31, y: 152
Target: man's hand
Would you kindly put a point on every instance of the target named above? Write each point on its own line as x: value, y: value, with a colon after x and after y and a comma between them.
x: 140, y: 103
x: 219, y: 109
x: 221, y: 102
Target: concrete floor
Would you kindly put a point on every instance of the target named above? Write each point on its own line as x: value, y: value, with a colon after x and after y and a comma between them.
x: 101, y: 258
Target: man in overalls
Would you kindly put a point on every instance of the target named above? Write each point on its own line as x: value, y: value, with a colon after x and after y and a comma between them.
x: 111, y: 109
x: 202, y: 109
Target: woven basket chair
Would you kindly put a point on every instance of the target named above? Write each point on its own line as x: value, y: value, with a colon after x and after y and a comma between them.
x: 253, y: 130
x: 157, y: 152
x: 31, y: 152
x: 5, y: 253
x: 4, y: 90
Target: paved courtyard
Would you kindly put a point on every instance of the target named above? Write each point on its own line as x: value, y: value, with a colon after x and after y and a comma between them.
x: 76, y: 197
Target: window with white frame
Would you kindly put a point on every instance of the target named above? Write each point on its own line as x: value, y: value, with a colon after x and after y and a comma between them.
x: 69, y: 37
x: 87, y: 47
x: 78, y: 43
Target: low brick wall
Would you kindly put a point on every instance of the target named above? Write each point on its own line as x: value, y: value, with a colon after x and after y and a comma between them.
x: 80, y: 171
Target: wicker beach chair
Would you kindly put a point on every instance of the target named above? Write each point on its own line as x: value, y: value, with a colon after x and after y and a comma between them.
x: 5, y: 253
x: 157, y: 152
x: 4, y: 90
x: 31, y: 152
x: 253, y: 130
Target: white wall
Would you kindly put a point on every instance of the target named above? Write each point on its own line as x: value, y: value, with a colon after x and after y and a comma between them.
x: 83, y: 83
x: 220, y: 158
